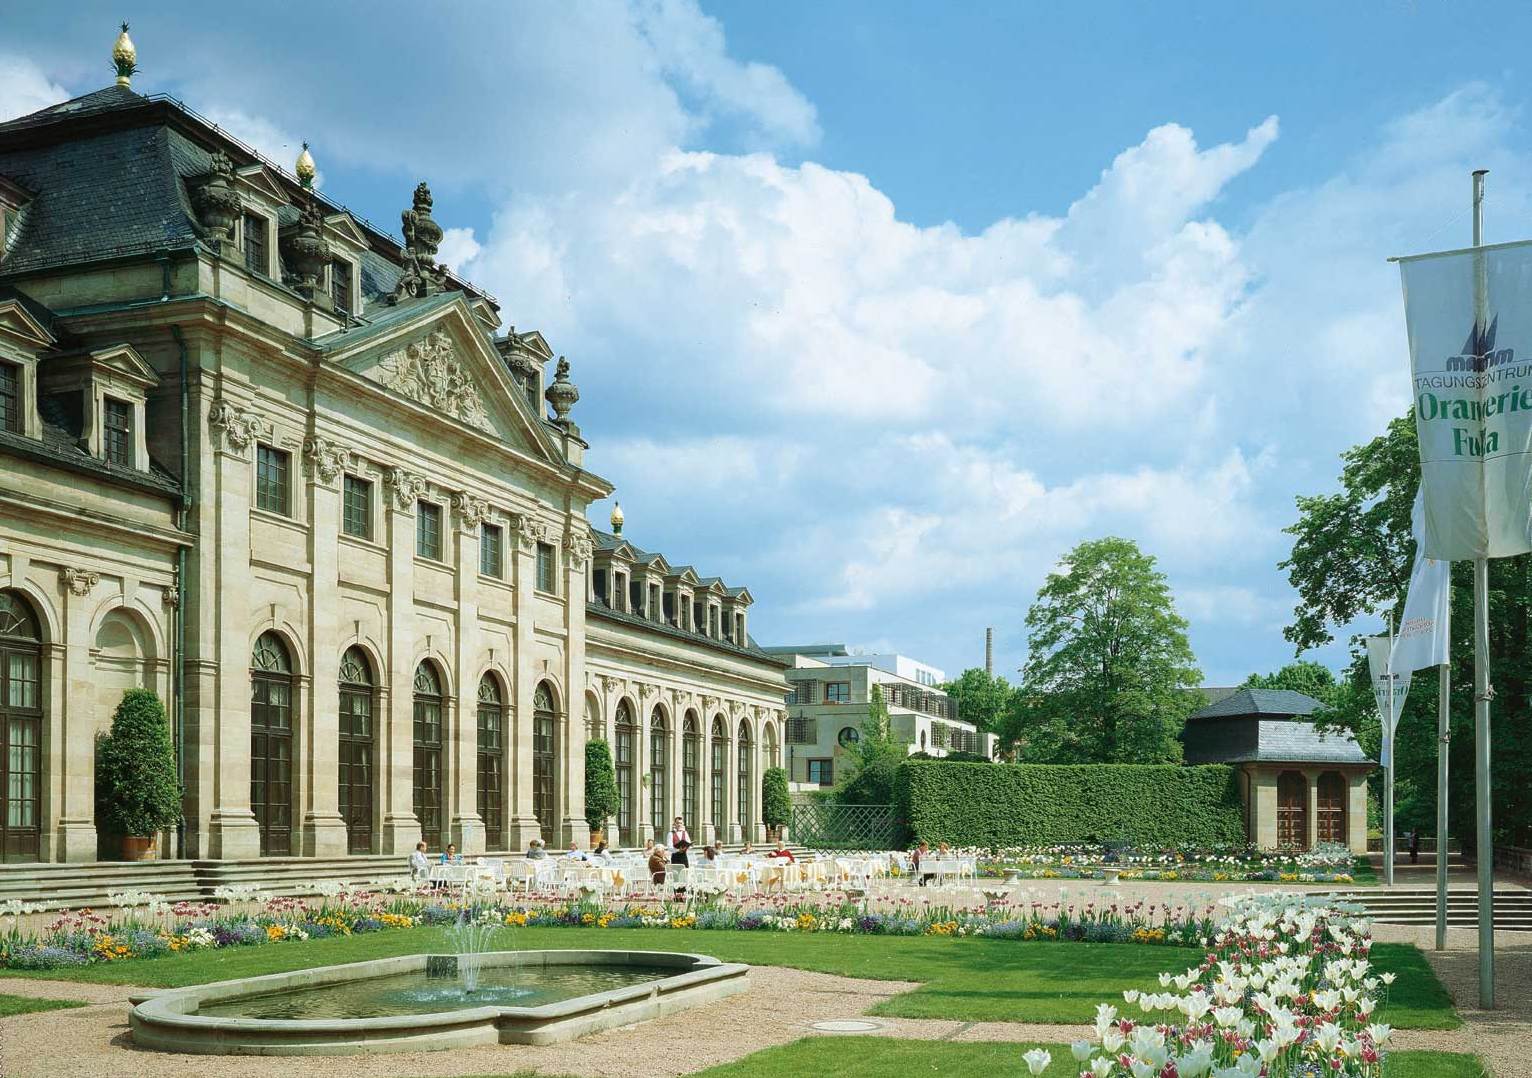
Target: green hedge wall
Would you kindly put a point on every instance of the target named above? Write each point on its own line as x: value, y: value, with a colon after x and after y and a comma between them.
x: 985, y: 804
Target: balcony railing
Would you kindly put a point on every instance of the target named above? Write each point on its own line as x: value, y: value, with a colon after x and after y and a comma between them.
x: 927, y: 703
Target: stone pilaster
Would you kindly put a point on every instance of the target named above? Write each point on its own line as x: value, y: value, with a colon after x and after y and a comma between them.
x: 396, y: 767
x: 520, y: 824
x: 468, y: 513
x: 75, y: 723
x: 572, y: 732
x: 323, y: 829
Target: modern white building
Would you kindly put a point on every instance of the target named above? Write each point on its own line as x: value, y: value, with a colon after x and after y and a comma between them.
x: 829, y: 692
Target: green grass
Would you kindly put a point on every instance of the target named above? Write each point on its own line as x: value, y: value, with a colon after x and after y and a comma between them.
x: 854, y: 1057
x: 10, y: 1005
x: 965, y: 979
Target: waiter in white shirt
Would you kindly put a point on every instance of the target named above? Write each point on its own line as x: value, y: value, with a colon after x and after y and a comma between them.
x: 679, y: 843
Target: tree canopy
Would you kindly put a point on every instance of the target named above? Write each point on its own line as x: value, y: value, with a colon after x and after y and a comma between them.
x: 1109, y: 666
x: 983, y: 699
x: 1310, y: 678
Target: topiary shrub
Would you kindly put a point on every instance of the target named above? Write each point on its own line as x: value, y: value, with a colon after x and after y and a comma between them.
x: 136, y: 789
x: 983, y: 804
x: 776, y: 805
x: 600, y: 784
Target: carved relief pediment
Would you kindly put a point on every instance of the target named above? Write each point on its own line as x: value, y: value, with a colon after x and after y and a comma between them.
x: 431, y: 371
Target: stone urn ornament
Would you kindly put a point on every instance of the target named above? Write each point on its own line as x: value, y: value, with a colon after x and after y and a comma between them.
x: 216, y: 201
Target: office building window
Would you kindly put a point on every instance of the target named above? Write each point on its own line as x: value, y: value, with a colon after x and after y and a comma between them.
x: 255, y: 244
x: 547, y: 568
x: 428, y: 531
x: 822, y: 772
x: 356, y: 510
x: 837, y: 692
x: 117, y: 432
x: 491, y: 550
x: 271, y: 479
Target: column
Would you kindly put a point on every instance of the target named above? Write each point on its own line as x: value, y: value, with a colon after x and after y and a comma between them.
x: 73, y: 723
x: 520, y: 824
x: 463, y: 750
x: 642, y: 828
x: 757, y: 769
x: 396, y: 727
x: 1263, y: 800
x: 676, y: 793
x: 575, y: 831
x: 232, y: 830
x: 1356, y: 814
x: 323, y: 830
x: 1311, y: 816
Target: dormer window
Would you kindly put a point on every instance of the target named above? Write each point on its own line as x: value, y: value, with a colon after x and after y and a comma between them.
x: 117, y: 432
x: 257, y: 256
x: 340, y: 286
x: 10, y: 398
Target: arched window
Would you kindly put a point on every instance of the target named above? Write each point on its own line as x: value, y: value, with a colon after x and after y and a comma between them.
x: 773, y: 754
x: 544, y: 747
x: 718, y: 762
x: 1330, y: 827
x: 742, y: 790
x: 659, y: 756
x: 271, y: 744
x: 428, y: 753
x: 1292, y: 810
x: 492, y: 761
x: 357, y: 739
x: 593, y: 724
x: 689, y: 763
x: 21, y: 722
x: 627, y: 743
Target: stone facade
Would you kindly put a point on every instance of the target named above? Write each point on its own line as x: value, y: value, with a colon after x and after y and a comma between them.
x: 333, y: 525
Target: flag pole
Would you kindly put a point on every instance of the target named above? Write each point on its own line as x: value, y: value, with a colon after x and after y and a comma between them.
x: 1388, y: 767
x: 1443, y: 743
x: 1484, y: 851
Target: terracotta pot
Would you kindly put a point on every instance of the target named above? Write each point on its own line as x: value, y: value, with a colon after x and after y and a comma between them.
x: 139, y: 848
x: 597, y: 836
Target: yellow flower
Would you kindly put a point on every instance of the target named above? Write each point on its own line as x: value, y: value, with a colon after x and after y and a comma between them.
x: 275, y: 932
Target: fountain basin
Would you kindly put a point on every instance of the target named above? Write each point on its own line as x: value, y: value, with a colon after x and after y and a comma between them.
x: 650, y: 984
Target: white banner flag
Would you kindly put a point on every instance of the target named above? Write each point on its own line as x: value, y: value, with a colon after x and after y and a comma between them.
x: 1473, y: 398
x: 1377, y: 662
x: 1422, y: 639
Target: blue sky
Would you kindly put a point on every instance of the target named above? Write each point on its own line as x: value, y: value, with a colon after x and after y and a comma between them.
x: 880, y: 307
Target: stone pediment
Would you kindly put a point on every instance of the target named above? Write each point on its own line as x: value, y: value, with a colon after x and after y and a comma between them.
x: 431, y: 370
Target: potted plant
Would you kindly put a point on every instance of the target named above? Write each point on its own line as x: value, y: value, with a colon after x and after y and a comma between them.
x: 776, y: 805
x: 137, y: 795
x: 600, y: 787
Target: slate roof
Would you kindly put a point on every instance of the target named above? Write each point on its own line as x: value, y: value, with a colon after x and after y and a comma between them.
x: 609, y: 541
x: 1284, y: 702
x: 751, y: 648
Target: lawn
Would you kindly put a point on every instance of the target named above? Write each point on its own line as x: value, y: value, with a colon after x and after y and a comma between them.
x: 966, y: 979
x: 10, y: 1005
x: 854, y: 1057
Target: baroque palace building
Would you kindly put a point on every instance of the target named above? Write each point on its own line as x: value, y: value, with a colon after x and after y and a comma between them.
x: 261, y: 457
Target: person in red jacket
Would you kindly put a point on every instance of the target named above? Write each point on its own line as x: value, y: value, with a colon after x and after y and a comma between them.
x: 783, y: 852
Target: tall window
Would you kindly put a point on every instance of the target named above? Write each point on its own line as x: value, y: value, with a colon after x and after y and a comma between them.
x: 271, y: 479
x: 356, y: 749
x: 659, y: 756
x: 689, y: 764
x: 21, y: 720
x: 10, y: 398
x: 491, y: 550
x: 547, y: 569
x: 742, y: 790
x: 491, y: 761
x: 544, y: 791
x: 117, y: 432
x: 428, y: 753
x: 627, y: 738
x: 356, y: 507
x: 718, y: 762
x: 255, y: 244
x: 428, y: 530
x: 340, y: 285
x: 271, y: 744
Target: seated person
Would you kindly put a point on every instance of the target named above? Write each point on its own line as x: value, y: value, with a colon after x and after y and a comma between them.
x: 449, y: 855
x: 600, y: 854
x: 420, y: 867
x: 783, y: 853
x: 746, y: 850
x: 922, y: 853
x: 709, y: 853
x: 658, y: 859
x: 535, y: 851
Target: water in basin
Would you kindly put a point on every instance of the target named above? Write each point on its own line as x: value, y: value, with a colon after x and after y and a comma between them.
x: 421, y: 993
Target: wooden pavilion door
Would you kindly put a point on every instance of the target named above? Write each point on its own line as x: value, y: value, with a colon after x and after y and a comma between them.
x: 1292, y: 811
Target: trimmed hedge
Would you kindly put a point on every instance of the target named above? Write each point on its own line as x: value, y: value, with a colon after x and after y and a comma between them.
x: 986, y: 804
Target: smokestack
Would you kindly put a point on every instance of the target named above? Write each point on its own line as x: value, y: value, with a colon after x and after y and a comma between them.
x: 989, y: 652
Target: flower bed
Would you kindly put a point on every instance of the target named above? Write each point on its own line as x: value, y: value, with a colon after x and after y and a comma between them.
x: 1285, y: 990
x: 147, y: 926
x: 1246, y: 864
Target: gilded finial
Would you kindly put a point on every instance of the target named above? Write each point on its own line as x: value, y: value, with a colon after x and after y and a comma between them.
x: 124, y: 57
x: 304, y: 168
x: 617, y: 518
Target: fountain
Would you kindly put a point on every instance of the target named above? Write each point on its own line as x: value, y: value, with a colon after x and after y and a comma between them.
x: 471, y: 937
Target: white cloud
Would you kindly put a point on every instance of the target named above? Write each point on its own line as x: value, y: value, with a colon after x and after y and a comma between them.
x: 25, y: 88
x: 458, y: 249
x: 279, y: 147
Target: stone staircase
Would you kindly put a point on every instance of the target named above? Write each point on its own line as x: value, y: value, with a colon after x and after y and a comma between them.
x: 1417, y: 906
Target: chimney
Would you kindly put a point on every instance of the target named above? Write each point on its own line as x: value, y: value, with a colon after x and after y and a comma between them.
x: 989, y: 652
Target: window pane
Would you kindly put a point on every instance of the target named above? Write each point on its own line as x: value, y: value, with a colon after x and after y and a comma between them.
x: 271, y: 472
x: 428, y: 530
x: 340, y: 285
x: 117, y: 432
x: 547, y: 569
x: 10, y: 397
x: 255, y: 243
x: 357, y: 507
x: 491, y: 556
